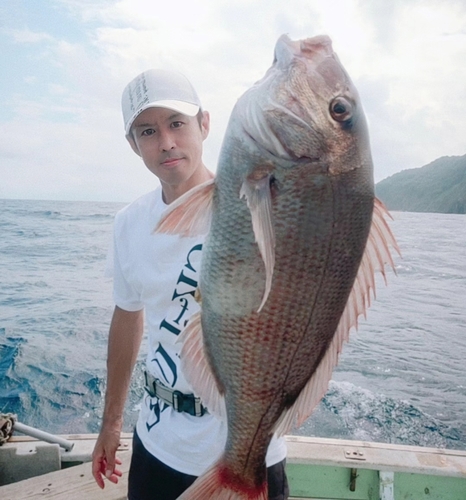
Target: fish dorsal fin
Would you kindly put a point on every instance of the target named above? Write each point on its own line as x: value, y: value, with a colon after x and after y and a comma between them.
x: 376, y: 255
x: 196, y: 368
x: 191, y: 213
x: 259, y: 200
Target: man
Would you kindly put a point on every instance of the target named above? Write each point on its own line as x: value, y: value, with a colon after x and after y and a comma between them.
x: 155, y: 278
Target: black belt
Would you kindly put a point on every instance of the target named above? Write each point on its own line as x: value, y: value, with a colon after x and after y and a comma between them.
x: 188, y: 403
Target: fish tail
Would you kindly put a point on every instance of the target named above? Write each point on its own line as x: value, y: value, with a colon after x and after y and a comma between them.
x: 218, y: 484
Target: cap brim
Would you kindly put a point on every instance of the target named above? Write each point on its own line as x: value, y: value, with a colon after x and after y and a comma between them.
x: 182, y: 107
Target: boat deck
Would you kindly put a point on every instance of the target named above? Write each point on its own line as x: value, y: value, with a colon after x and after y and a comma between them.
x: 324, y: 469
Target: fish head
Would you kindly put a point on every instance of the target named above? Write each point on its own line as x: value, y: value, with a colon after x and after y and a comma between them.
x: 306, y: 109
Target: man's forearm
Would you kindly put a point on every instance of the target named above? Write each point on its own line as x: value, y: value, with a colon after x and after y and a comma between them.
x: 125, y: 336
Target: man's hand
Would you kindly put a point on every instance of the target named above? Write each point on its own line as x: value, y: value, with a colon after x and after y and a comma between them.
x: 104, y: 459
x: 124, y: 339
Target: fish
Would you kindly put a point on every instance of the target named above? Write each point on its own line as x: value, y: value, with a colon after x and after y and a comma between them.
x: 294, y: 239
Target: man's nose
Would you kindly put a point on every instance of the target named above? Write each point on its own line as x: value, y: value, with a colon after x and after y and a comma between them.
x: 167, y: 141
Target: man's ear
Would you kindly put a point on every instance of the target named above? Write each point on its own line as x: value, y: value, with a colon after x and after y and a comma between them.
x: 133, y: 144
x: 205, y: 124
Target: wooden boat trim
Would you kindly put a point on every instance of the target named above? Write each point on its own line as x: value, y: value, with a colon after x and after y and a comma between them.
x: 378, y: 456
x: 375, y: 463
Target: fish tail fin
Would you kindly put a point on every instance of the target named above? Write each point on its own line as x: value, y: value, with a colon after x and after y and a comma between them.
x: 217, y: 483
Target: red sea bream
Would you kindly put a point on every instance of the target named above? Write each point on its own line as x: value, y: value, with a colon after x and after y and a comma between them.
x: 296, y: 236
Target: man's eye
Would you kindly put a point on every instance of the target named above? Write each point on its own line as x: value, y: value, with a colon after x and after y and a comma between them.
x: 148, y: 131
x: 177, y: 124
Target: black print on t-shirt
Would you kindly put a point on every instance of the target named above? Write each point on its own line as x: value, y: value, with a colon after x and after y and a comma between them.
x: 174, y: 322
x: 167, y: 366
x: 185, y: 286
x: 156, y: 409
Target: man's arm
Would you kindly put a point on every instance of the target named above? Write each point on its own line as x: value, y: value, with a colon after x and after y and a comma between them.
x: 126, y: 330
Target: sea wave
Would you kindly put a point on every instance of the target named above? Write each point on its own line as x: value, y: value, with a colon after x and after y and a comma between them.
x: 400, y: 378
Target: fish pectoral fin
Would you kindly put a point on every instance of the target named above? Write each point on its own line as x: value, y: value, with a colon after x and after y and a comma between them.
x: 196, y: 367
x: 259, y: 200
x: 376, y: 255
x: 190, y: 214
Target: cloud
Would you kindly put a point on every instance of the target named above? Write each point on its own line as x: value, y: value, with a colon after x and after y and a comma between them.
x: 29, y: 37
x: 419, y: 72
x: 405, y: 57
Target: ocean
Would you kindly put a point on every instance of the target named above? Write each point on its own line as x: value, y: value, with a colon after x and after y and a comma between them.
x: 401, y: 378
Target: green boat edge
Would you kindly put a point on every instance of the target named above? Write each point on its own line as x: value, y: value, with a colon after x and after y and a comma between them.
x: 317, y: 468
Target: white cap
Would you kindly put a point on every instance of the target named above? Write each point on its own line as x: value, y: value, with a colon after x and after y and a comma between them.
x: 158, y: 88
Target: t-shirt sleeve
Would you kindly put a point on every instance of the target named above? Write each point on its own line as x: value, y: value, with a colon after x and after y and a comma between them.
x: 125, y: 295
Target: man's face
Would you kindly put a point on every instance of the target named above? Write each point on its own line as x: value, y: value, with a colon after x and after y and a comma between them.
x: 169, y: 143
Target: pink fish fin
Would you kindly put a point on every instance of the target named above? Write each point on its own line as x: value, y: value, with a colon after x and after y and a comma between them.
x: 312, y: 392
x: 215, y: 484
x: 382, y: 237
x: 190, y: 214
x: 259, y: 200
x: 376, y: 255
x: 196, y: 367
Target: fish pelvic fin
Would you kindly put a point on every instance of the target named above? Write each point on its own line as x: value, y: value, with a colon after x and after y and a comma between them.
x: 259, y: 201
x: 190, y: 214
x: 377, y: 255
x: 197, y: 369
x: 217, y: 484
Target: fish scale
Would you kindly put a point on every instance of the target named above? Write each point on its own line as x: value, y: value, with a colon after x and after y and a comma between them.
x: 304, y: 347
x: 291, y: 210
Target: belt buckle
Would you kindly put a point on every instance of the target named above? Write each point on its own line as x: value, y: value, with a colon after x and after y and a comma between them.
x: 178, y: 401
x: 199, y: 410
x: 187, y: 403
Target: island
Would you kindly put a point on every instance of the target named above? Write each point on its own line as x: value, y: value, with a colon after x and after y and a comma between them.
x: 438, y: 187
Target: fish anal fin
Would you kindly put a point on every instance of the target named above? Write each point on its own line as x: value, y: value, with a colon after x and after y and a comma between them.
x: 259, y: 200
x: 190, y: 214
x: 376, y: 255
x: 216, y: 484
x: 197, y: 369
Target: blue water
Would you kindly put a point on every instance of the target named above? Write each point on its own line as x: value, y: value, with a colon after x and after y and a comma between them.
x: 401, y: 378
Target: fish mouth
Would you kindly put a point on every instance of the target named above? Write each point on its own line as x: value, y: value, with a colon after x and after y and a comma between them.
x: 315, y: 48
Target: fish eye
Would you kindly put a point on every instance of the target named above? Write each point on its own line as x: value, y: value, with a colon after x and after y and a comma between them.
x: 341, y: 109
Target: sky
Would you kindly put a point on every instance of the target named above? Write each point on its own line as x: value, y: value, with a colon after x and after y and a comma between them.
x: 64, y: 64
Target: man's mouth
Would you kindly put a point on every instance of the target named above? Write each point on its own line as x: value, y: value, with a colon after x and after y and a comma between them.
x: 170, y: 162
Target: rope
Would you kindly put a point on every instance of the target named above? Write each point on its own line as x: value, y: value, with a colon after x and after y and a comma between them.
x: 7, y: 421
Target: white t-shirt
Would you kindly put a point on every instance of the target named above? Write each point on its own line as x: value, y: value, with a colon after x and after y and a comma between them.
x: 159, y: 273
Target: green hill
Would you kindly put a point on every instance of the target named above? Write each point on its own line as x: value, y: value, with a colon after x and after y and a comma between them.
x: 439, y: 186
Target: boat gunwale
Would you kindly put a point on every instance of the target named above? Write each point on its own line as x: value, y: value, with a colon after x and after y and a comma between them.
x: 319, y: 451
